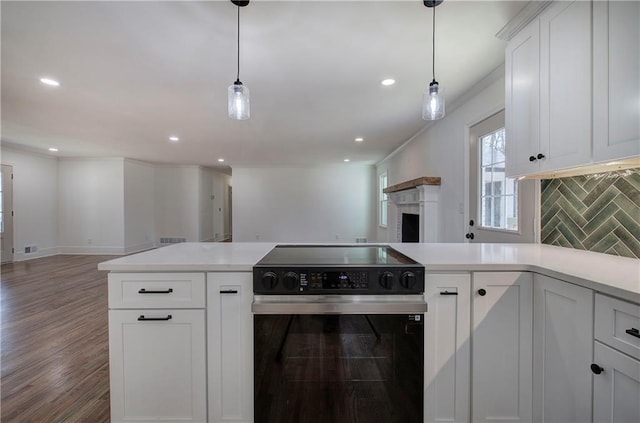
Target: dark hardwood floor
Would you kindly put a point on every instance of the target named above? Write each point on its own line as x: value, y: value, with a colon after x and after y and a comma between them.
x: 55, y: 356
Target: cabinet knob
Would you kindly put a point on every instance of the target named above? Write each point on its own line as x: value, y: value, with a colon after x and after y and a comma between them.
x: 482, y: 292
x: 540, y: 156
x: 469, y: 235
x: 532, y: 158
x: 596, y: 369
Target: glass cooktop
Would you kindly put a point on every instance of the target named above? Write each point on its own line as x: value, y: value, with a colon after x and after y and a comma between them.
x: 335, y: 255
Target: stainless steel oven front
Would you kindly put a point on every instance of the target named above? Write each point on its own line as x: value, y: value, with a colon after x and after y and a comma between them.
x: 340, y: 358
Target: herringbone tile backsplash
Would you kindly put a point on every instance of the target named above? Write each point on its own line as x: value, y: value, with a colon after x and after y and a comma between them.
x: 598, y: 212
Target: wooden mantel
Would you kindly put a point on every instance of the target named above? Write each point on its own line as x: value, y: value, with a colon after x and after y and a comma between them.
x: 424, y: 180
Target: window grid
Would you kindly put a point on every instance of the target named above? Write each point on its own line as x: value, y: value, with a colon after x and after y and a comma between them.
x: 499, y: 194
x: 383, y: 199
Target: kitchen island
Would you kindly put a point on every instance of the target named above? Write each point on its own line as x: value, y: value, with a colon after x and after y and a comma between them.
x: 617, y: 276
x: 538, y: 315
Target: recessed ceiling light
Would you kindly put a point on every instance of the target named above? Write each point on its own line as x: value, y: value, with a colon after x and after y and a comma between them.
x: 50, y: 82
x: 221, y: 160
x: 347, y: 160
x: 53, y: 149
x: 359, y: 139
x: 388, y: 81
x: 174, y: 138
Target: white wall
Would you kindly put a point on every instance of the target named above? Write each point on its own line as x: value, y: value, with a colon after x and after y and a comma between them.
x: 311, y: 204
x: 35, y: 202
x: 221, y: 206
x: 441, y: 150
x: 205, y: 200
x: 139, y: 219
x: 177, y: 210
x: 91, y: 206
x: 111, y: 206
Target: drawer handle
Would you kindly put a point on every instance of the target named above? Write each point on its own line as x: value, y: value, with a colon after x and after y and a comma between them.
x: 633, y: 332
x: 229, y: 291
x: 144, y: 291
x: 448, y: 293
x: 151, y: 319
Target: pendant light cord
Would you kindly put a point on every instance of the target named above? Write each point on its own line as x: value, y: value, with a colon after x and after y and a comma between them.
x: 238, y: 73
x: 433, y: 47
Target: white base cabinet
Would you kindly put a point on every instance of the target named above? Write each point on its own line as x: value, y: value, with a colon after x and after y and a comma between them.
x: 562, y: 351
x: 157, y: 365
x: 230, y: 346
x: 447, y: 350
x: 616, y: 361
x: 501, y: 347
x: 616, y: 390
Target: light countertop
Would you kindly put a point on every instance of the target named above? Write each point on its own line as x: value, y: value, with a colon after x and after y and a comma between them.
x: 617, y: 276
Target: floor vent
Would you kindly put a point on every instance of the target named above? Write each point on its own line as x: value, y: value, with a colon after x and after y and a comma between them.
x: 168, y: 240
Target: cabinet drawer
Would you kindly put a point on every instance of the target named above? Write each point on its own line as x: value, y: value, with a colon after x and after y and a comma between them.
x: 156, y: 290
x: 617, y: 323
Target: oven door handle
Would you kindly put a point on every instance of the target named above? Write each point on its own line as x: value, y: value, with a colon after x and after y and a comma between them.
x: 338, y: 304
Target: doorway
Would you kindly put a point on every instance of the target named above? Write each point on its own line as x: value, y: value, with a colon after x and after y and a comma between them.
x: 6, y: 213
x: 501, y: 209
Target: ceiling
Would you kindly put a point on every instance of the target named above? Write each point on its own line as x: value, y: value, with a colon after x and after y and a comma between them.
x: 134, y: 73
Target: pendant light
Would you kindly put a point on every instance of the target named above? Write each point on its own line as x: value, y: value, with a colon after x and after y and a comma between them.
x: 238, y: 94
x: 433, y: 100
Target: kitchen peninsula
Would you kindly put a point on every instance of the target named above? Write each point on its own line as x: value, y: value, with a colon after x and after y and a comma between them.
x: 563, y: 320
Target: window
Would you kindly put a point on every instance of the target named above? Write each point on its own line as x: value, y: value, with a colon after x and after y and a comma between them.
x: 499, y: 194
x: 383, y: 200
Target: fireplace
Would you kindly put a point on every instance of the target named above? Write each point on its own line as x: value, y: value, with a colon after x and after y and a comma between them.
x: 410, y: 227
x: 414, y: 207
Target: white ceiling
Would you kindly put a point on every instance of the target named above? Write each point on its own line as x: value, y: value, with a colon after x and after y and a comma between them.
x: 134, y: 73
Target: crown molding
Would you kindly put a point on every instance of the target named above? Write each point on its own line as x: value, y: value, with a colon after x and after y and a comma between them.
x: 522, y: 19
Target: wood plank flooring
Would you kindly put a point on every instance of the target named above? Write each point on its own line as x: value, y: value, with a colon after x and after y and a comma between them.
x: 54, y: 341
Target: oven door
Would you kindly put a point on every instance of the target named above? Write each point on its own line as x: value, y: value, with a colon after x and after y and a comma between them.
x: 339, y: 359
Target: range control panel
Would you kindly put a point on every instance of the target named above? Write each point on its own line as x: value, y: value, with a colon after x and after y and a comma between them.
x: 409, y: 280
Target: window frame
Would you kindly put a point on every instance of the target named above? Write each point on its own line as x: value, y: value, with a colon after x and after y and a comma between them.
x: 383, y: 200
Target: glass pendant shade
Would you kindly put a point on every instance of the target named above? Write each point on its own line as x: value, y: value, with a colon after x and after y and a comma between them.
x: 433, y: 102
x: 238, y: 96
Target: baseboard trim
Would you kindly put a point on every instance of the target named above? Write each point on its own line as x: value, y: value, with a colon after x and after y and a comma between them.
x: 42, y: 252
x: 84, y: 250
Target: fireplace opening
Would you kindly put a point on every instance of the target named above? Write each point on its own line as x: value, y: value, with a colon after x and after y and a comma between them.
x: 410, y: 227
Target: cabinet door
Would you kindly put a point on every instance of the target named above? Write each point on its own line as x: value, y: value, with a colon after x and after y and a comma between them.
x: 616, y: 390
x: 562, y: 351
x: 158, y: 369
x: 565, y: 85
x: 447, y: 349
x: 616, y: 79
x: 230, y: 340
x: 501, y: 346
x: 522, y: 100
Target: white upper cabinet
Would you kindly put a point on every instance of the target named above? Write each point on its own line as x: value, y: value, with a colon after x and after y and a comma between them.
x: 522, y: 109
x: 565, y: 85
x: 548, y: 91
x: 616, y: 80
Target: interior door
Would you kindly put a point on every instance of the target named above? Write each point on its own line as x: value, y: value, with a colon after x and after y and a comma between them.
x: 6, y: 213
x: 501, y: 209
